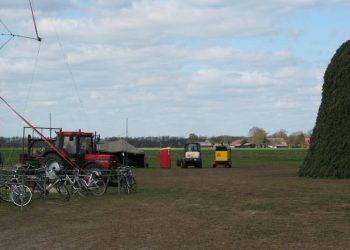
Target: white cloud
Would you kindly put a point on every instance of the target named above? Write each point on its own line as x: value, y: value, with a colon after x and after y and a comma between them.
x: 283, y: 104
x: 156, y: 60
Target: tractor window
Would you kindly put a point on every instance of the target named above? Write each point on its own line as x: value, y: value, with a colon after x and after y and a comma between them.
x: 85, y: 145
x: 70, y: 144
x: 192, y: 148
x: 221, y: 148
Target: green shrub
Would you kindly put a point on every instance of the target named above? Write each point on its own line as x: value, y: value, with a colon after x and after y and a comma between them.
x: 329, y: 154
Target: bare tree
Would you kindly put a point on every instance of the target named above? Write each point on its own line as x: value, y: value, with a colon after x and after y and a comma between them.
x: 280, y: 134
x: 257, y: 136
x: 193, y: 137
x: 296, y: 140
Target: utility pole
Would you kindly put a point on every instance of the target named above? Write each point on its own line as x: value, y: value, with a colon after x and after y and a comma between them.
x: 126, y: 137
x: 50, y: 126
x: 127, y: 127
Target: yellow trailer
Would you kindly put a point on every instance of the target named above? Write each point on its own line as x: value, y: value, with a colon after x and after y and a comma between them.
x: 222, y: 156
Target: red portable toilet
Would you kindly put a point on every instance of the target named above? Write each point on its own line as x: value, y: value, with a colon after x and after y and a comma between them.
x: 165, y: 158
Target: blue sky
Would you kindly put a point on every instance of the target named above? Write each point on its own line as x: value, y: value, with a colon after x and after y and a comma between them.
x: 172, y: 67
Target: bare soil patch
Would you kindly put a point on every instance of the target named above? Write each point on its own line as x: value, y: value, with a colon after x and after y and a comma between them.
x: 262, y: 208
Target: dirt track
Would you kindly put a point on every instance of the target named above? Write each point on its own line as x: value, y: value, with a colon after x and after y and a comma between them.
x: 191, y: 209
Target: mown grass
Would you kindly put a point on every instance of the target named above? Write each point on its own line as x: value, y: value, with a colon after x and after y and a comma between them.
x: 260, y: 203
x: 240, y: 157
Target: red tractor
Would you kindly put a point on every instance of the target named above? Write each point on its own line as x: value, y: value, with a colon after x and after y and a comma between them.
x: 66, y: 151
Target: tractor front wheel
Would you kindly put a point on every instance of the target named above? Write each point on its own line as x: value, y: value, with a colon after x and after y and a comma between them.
x: 198, y: 164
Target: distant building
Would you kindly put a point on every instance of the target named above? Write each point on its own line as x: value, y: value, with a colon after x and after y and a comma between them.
x: 242, y: 143
x: 206, y: 144
x: 273, y: 142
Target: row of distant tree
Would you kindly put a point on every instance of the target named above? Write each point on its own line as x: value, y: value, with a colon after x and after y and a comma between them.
x: 256, y: 135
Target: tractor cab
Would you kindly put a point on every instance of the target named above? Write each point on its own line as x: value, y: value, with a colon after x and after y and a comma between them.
x: 81, y: 148
x: 75, y: 144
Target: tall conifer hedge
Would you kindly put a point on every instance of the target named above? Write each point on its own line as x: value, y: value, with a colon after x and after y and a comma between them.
x: 329, y: 153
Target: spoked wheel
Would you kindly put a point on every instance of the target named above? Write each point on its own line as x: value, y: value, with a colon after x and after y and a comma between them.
x: 126, y: 185
x: 39, y: 191
x: 21, y: 195
x: 63, y: 191
x: 97, y: 187
x: 132, y: 183
x: 96, y: 184
x: 81, y: 188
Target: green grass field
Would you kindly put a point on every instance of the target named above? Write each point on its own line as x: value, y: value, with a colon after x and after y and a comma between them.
x: 261, y: 203
x: 240, y: 157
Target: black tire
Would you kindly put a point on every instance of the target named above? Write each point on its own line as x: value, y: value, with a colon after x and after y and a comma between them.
x: 125, y: 183
x: 183, y: 164
x: 53, y: 162
x: 178, y: 163
x: 214, y: 165
x: 81, y: 188
x: 198, y: 164
x: 63, y: 191
x: 132, y: 183
x: 39, y: 192
x: 97, y: 169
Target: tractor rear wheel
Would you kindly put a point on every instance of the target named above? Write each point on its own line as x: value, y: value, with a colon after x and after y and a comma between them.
x: 178, y: 163
x: 53, y: 163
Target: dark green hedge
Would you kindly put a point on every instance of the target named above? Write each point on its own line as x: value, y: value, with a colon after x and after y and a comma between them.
x: 329, y: 154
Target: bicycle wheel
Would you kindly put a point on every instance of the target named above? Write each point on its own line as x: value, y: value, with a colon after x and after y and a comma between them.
x: 80, y: 188
x: 39, y: 191
x: 97, y: 187
x: 63, y: 191
x: 21, y: 195
x: 125, y: 184
x: 5, y: 193
x: 132, y: 182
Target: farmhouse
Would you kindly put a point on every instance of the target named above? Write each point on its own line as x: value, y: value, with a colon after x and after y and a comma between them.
x: 206, y: 144
x: 276, y: 142
x: 241, y: 143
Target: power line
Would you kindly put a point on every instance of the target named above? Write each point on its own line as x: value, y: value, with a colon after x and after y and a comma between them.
x: 36, y: 30
x: 69, y: 68
x: 12, y: 35
x: 8, y: 40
